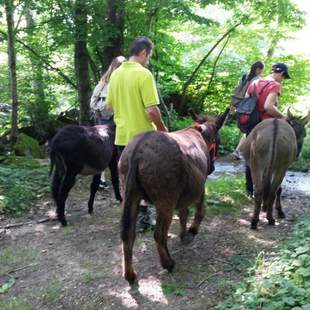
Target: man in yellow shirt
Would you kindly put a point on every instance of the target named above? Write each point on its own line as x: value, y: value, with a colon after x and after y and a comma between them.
x: 133, y: 97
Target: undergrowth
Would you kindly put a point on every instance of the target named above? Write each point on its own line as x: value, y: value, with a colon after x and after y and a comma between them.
x: 226, y: 196
x: 279, y: 280
x: 22, y: 182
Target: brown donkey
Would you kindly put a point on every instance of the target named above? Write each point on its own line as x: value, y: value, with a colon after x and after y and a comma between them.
x: 169, y: 170
x: 269, y: 150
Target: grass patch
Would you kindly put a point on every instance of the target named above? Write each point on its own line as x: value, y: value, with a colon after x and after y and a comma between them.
x: 11, y: 259
x: 226, y: 196
x: 280, y: 280
x: 172, y: 288
x: 303, y: 163
x: 22, y: 182
x: 52, y: 293
x: 14, y: 303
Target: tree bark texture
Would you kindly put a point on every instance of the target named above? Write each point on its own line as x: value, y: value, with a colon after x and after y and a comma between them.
x: 116, y: 15
x: 9, y: 9
x: 81, y: 61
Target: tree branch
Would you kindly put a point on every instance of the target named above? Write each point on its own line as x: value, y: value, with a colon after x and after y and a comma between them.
x: 213, y: 73
x: 191, y: 78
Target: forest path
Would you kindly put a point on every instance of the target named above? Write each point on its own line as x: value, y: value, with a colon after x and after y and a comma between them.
x: 80, y: 266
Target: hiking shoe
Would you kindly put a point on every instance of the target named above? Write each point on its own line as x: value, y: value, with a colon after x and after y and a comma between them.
x: 146, y: 221
x: 236, y: 155
x: 103, y: 185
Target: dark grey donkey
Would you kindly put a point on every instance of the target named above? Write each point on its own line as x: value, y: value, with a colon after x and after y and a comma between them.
x: 82, y: 150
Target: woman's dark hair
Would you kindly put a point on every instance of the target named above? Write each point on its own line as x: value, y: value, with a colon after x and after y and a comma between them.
x: 252, y: 73
x: 139, y: 44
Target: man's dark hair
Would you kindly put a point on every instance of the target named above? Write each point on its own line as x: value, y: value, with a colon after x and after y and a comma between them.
x: 139, y: 44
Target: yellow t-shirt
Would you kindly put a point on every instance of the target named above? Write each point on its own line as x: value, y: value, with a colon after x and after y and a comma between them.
x: 131, y: 89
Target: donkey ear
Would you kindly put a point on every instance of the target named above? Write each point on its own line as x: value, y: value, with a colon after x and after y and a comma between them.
x: 193, y: 114
x: 221, y: 119
x: 289, y: 113
x: 306, y: 119
x: 196, y: 117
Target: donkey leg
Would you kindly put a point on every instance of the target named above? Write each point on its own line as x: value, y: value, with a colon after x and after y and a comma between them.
x: 163, y: 221
x: 183, y: 215
x: 199, y: 215
x: 269, y: 203
x: 258, y: 197
x: 281, y: 214
x: 93, y: 190
x: 64, y: 190
x: 128, y: 237
x: 114, y: 175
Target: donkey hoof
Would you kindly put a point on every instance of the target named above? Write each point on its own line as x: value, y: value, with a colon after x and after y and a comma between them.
x: 187, y: 238
x: 63, y: 222
x: 254, y: 224
x: 168, y: 265
x: 271, y: 222
x: 131, y: 277
x: 90, y: 210
x: 193, y: 231
x: 281, y: 215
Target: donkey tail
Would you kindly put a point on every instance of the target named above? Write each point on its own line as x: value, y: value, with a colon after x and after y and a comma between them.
x: 130, y: 206
x: 268, y: 177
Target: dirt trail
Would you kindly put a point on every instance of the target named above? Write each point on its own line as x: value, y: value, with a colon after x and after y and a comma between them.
x: 80, y: 267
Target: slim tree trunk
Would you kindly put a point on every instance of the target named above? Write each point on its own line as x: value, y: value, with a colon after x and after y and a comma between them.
x: 9, y: 9
x: 81, y: 60
x: 116, y: 14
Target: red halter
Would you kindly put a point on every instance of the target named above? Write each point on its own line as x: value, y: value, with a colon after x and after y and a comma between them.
x: 212, y: 150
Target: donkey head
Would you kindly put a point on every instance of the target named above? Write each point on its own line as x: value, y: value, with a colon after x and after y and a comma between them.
x: 298, y: 124
x: 209, y: 127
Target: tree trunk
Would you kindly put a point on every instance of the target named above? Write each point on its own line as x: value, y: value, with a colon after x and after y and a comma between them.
x: 38, y: 110
x: 81, y: 61
x: 9, y: 9
x: 116, y: 14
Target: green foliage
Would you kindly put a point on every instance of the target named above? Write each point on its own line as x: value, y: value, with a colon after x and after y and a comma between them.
x: 230, y: 137
x: 177, y: 123
x: 280, y: 280
x: 226, y: 196
x: 7, y: 285
x: 27, y: 146
x: 21, y: 184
